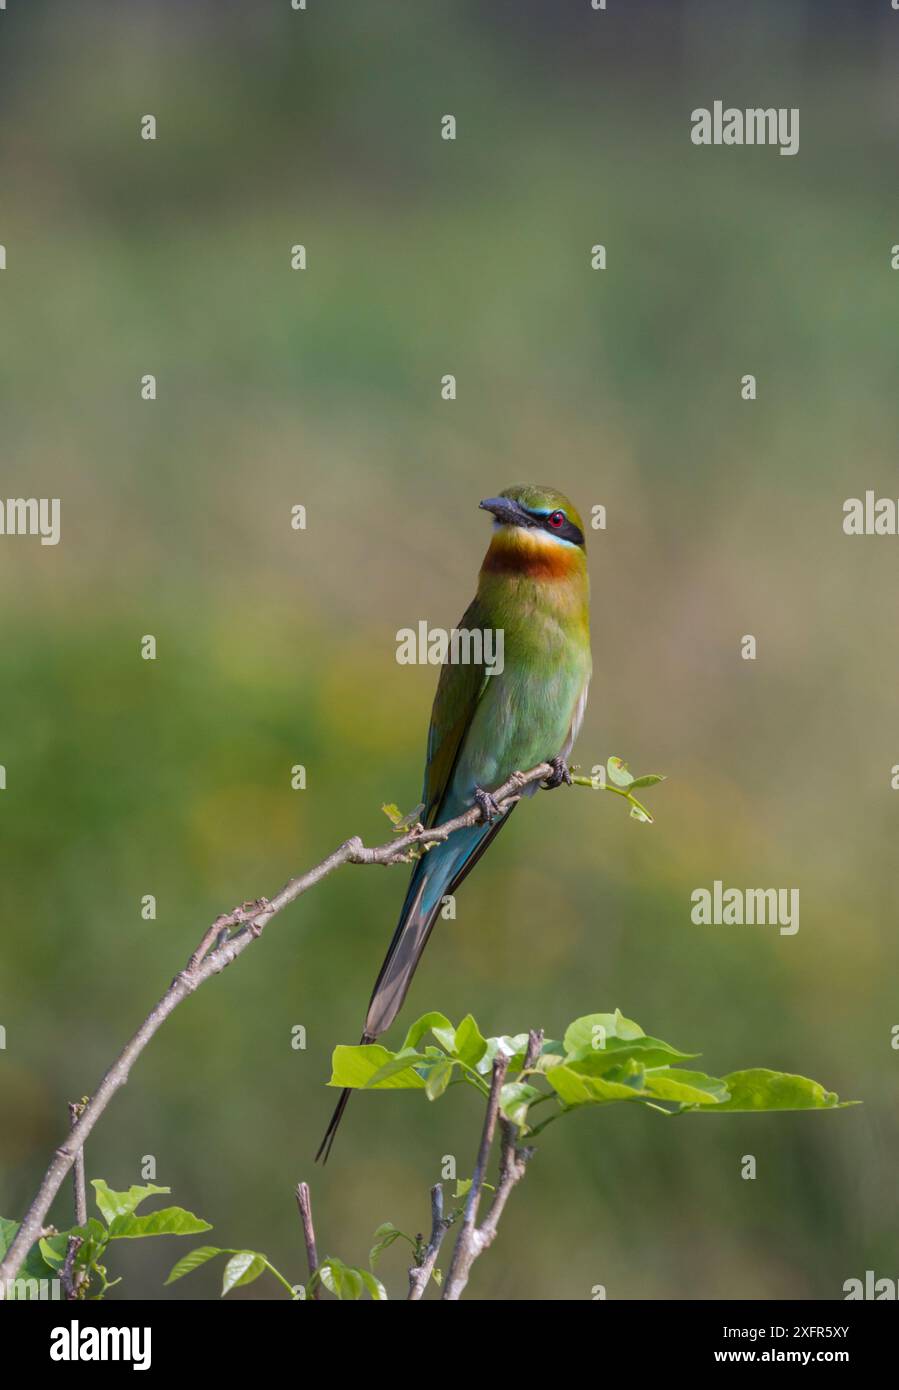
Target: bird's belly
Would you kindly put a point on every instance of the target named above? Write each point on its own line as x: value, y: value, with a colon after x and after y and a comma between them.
x: 521, y: 720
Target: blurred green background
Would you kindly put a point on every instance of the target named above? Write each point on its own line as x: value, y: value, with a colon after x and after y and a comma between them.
x: 276, y: 647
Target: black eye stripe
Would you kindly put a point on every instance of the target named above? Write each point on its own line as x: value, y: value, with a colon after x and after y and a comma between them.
x: 567, y: 531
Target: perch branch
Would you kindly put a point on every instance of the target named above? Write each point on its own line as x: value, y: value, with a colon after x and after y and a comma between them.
x: 220, y: 945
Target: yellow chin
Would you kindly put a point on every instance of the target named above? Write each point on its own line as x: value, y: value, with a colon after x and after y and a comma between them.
x: 529, y: 539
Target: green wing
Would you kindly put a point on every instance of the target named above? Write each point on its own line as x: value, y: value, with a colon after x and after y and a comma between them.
x: 458, y: 691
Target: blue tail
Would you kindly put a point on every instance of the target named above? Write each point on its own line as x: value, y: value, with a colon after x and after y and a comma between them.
x: 437, y: 873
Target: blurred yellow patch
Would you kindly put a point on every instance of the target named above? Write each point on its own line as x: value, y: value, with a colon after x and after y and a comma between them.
x: 245, y: 821
x: 371, y: 704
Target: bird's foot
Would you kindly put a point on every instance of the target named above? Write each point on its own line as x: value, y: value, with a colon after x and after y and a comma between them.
x: 487, y: 803
x: 560, y: 774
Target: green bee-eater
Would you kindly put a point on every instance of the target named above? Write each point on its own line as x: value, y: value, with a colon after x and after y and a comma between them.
x: 533, y: 587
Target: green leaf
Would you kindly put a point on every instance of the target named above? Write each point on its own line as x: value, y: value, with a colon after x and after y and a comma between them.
x: 618, y: 772
x: 514, y: 1047
x: 649, y: 780
x: 55, y: 1254
x: 8, y: 1230
x: 588, y: 1033
x: 375, y: 1288
x: 384, y: 1237
x: 650, y: 1052
x: 340, y: 1280
x: 633, y: 1082
x: 640, y: 813
x: 550, y: 1059
x: 686, y: 1087
x: 470, y: 1045
x: 356, y: 1067
x: 170, y: 1221
x: 435, y: 1023
x: 45, y: 1258
x: 400, y: 821
x: 574, y: 1089
x: 113, y: 1204
x: 463, y: 1187
x: 351, y: 1283
x: 96, y: 1239
x: 399, y: 1063
x: 514, y: 1099
x: 760, y: 1089
x: 243, y: 1267
x: 630, y: 1073
x: 438, y: 1079
x: 188, y: 1263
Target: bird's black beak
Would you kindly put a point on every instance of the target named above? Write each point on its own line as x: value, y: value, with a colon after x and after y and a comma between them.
x: 508, y: 512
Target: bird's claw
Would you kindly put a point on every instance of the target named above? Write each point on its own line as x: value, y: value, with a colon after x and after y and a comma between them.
x: 487, y: 803
x: 560, y: 774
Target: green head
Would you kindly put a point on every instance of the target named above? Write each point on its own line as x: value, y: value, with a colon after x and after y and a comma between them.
x: 536, y: 559
x: 537, y: 520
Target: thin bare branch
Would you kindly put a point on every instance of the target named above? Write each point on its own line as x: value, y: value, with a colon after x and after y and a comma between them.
x: 473, y: 1240
x: 467, y: 1247
x: 75, y: 1242
x: 304, y: 1202
x: 69, y: 1279
x: 420, y: 1274
x: 219, y: 946
x: 514, y: 1157
x: 75, y: 1109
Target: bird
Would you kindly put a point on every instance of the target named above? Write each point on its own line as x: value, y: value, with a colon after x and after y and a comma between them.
x: 534, y: 588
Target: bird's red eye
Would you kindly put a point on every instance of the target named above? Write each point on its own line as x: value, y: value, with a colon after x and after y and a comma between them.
x: 556, y: 520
